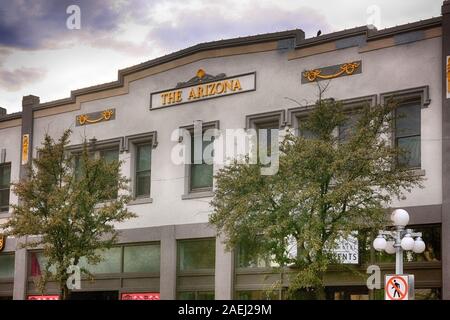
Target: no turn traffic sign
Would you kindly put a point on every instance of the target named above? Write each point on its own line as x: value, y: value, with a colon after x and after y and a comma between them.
x: 399, y: 287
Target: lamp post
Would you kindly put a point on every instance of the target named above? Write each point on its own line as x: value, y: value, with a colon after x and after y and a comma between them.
x: 399, y: 239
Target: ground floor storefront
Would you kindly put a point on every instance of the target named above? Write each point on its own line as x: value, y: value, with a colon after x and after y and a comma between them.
x: 189, y: 262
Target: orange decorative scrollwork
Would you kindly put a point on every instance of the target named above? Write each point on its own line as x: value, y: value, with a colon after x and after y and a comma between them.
x: 2, y: 242
x: 448, y: 77
x: 347, y: 68
x: 105, y: 115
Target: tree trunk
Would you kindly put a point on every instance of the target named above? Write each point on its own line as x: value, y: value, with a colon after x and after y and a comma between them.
x: 65, y: 292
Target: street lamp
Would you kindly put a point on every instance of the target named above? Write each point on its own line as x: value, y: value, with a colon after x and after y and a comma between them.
x: 400, y: 239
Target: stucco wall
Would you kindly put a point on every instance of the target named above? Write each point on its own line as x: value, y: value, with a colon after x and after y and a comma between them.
x: 10, y: 140
x: 389, y: 69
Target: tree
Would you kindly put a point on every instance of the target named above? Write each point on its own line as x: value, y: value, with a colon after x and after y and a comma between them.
x: 326, y: 187
x: 70, y: 209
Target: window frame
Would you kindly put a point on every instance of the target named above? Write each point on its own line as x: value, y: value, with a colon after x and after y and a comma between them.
x: 205, y: 271
x: 138, y: 145
x: 5, y: 209
x: 405, y: 96
x: 350, y: 105
x: 130, y: 145
x: 96, y: 147
x: 189, y: 192
x: 8, y: 253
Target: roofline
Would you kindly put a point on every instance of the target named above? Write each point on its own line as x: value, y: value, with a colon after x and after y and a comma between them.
x: 299, y: 42
x: 296, y: 34
x: 11, y: 116
x: 371, y: 34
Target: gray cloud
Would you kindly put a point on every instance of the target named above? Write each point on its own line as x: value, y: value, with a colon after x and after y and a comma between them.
x: 191, y: 26
x: 16, y: 79
x: 31, y: 24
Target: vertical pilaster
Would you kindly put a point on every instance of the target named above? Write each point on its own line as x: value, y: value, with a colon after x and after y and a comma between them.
x: 168, y: 272
x: 20, y: 274
x: 224, y: 271
x: 26, y: 154
x: 445, y: 152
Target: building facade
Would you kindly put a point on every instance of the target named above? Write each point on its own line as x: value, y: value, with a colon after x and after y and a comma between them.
x: 170, y: 251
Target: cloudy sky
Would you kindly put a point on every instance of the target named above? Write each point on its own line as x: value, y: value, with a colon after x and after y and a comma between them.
x: 40, y: 55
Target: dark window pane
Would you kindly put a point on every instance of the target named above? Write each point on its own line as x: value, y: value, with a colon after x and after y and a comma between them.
x: 431, y: 235
x: 4, y: 200
x: 407, y: 120
x: 349, y: 127
x: 245, y: 261
x: 197, y: 254
x: 144, y: 157
x: 143, y: 183
x: 258, y: 295
x: 6, y: 266
x: 266, y: 130
x: 111, y: 262
x: 427, y: 294
x: 144, y: 258
x: 5, y: 176
x: 189, y: 295
x: 193, y: 295
x: 38, y: 262
x: 5, y: 180
x: 201, y: 176
x: 205, y: 295
x: 410, y: 147
x: 143, y: 167
x: 206, y: 157
x: 110, y: 155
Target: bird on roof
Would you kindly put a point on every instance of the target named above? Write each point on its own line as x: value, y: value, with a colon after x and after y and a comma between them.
x: 319, y: 33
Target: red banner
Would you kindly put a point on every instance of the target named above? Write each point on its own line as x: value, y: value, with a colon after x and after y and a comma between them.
x: 140, y: 296
x: 36, y: 297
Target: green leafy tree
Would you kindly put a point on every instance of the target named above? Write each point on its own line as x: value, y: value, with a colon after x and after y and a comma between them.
x: 70, y: 209
x: 325, y: 188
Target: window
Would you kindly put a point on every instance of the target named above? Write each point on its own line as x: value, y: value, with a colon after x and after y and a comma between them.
x: 196, y: 262
x: 407, y: 133
x: 143, y: 170
x: 196, y: 295
x: 111, y: 262
x: 141, y: 258
x: 201, y: 174
x: 196, y: 254
x: 5, y: 181
x: 267, y: 121
x: 267, y: 126
x: 258, y: 294
x: 431, y: 235
x: 6, y: 266
x: 348, y: 128
x: 244, y: 260
x: 108, y: 155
